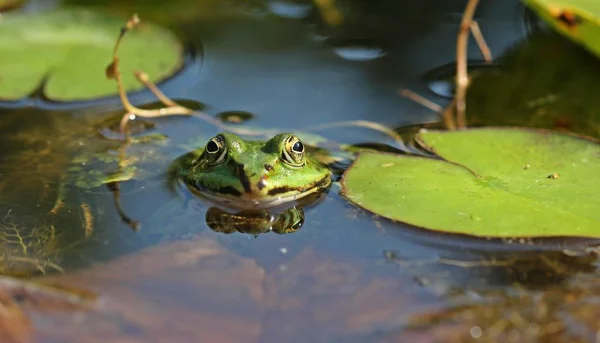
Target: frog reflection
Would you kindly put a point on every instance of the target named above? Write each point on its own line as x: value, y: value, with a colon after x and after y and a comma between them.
x: 255, y: 222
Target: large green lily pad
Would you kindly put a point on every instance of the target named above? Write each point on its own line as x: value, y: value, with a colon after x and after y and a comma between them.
x: 491, y: 182
x: 72, y: 47
x: 577, y: 19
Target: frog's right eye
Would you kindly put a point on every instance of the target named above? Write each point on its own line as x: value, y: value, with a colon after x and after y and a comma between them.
x: 216, y: 150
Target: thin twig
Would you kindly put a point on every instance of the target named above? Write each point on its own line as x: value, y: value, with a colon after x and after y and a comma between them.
x: 446, y: 113
x: 143, y: 78
x: 483, y: 47
x: 114, y: 187
x: 407, y: 93
x: 462, y: 77
x: 113, y: 72
x: 360, y: 123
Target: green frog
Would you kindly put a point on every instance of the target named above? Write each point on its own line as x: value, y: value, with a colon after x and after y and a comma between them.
x: 252, y: 175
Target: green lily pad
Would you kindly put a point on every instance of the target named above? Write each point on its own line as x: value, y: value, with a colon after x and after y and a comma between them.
x: 71, y: 49
x: 491, y: 182
x: 577, y: 19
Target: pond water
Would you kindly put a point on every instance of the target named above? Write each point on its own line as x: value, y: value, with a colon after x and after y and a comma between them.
x: 345, y: 275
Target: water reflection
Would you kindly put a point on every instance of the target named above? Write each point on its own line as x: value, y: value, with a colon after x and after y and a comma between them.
x: 472, y: 270
x: 530, y: 297
x: 273, y: 69
x: 255, y: 222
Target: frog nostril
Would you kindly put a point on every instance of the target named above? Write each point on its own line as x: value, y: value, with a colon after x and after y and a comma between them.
x: 268, y: 167
x: 262, y: 184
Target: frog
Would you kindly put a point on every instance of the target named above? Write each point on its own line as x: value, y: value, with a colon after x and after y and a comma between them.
x: 252, y: 174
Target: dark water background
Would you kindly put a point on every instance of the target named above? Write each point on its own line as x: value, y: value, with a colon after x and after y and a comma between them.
x: 292, y: 73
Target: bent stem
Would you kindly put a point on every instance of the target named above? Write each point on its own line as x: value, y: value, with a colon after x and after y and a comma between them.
x: 113, y: 72
x: 462, y: 77
x: 114, y: 187
x: 480, y: 40
x: 360, y: 123
x: 458, y: 105
x: 419, y: 99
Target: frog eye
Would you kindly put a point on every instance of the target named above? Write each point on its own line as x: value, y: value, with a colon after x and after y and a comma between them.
x: 293, y: 152
x: 216, y: 150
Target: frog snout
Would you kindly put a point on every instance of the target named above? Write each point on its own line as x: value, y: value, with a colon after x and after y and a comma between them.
x: 242, y: 175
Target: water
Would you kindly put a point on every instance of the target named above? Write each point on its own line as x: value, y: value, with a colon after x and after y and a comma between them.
x: 345, y: 274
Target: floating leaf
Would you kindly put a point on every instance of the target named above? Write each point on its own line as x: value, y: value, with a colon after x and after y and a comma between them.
x: 492, y: 182
x: 70, y: 49
x: 577, y: 19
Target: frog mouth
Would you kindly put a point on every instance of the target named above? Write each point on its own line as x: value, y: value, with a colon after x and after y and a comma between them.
x: 274, y: 198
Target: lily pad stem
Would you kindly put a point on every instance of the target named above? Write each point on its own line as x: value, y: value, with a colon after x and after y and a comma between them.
x: 483, y: 47
x: 113, y: 72
x: 448, y: 113
x: 462, y: 77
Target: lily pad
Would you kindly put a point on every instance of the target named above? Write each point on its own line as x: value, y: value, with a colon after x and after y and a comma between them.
x: 489, y: 182
x: 577, y: 19
x: 68, y: 50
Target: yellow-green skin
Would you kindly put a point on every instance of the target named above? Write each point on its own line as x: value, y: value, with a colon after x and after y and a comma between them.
x: 252, y: 174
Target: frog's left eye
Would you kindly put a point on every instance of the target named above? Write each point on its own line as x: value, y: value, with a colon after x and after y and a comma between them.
x: 216, y: 150
x: 293, y: 152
